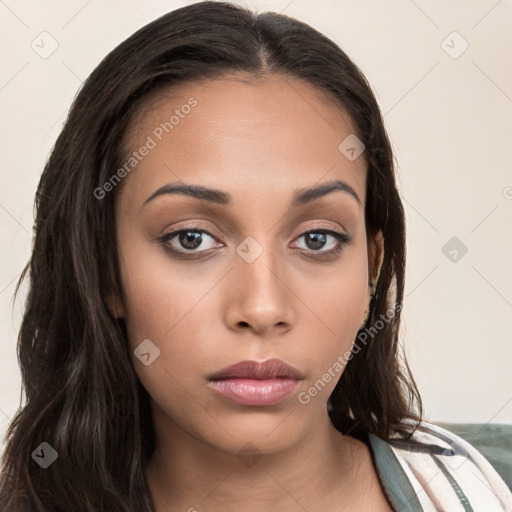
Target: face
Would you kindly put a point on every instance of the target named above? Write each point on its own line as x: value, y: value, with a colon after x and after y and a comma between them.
x: 256, y: 269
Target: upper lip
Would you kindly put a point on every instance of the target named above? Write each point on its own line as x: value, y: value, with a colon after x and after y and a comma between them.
x: 271, y: 368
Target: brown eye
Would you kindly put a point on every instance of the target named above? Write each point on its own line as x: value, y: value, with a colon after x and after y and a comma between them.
x: 187, y: 240
x: 316, y: 240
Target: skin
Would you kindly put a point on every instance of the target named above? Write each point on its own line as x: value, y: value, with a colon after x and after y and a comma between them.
x: 259, y: 141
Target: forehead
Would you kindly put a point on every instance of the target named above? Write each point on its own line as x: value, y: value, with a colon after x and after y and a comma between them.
x: 235, y: 133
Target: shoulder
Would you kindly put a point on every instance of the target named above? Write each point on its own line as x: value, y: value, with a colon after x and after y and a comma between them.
x: 444, y: 470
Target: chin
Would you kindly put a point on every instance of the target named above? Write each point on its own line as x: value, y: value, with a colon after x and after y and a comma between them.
x: 263, y: 432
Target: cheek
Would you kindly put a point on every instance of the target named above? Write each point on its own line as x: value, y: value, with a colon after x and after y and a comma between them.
x: 158, y: 293
x: 168, y: 309
x: 162, y: 310
x: 338, y: 299
x: 166, y: 305
x: 336, y: 310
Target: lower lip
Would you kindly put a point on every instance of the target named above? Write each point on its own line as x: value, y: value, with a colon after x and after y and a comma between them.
x: 255, y: 392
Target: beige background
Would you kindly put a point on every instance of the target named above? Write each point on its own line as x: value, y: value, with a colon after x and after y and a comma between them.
x: 450, y: 123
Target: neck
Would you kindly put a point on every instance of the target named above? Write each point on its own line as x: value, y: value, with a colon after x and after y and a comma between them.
x: 187, y: 474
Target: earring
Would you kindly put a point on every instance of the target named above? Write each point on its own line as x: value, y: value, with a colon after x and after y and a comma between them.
x: 365, y: 319
x: 373, y: 287
x: 366, y: 316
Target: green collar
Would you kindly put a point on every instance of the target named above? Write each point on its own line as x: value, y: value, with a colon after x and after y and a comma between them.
x: 397, y: 485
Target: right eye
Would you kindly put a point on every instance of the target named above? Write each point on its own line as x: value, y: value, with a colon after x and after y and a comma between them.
x: 186, y: 240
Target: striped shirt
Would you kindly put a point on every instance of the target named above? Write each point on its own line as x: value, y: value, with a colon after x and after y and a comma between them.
x: 435, y: 470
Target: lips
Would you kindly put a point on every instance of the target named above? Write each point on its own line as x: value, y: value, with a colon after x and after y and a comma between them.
x: 256, y: 383
x: 258, y: 370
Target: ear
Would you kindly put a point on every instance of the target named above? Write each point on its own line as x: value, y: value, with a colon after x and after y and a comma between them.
x: 115, y: 305
x: 375, y: 258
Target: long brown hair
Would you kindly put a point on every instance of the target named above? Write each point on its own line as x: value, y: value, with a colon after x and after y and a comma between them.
x: 82, y: 394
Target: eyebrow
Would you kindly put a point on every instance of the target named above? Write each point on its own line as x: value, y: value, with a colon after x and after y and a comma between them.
x: 300, y: 197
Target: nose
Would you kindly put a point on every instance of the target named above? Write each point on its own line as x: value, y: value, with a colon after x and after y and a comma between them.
x: 260, y: 297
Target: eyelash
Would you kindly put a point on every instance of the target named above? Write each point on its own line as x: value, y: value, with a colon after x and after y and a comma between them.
x: 342, y: 238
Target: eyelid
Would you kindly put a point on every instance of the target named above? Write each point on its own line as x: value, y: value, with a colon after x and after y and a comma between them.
x: 322, y: 227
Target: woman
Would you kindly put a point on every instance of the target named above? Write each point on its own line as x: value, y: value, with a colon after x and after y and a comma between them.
x: 215, y: 290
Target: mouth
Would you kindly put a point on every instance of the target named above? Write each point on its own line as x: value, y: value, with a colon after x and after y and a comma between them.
x: 256, y: 383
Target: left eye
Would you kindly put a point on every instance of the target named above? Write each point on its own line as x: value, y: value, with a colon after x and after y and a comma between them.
x: 316, y: 240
